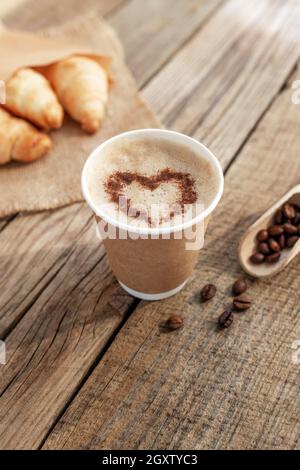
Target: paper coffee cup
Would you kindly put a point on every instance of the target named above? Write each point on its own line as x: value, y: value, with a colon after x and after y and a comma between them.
x: 153, y: 263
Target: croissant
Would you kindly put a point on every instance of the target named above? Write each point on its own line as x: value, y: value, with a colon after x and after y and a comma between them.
x: 30, y: 96
x: 81, y: 85
x: 20, y: 141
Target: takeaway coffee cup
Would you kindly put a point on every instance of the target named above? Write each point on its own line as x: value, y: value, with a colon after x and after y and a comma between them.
x: 152, y: 263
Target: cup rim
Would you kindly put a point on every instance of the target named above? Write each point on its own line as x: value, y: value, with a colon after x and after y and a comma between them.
x: 203, y: 150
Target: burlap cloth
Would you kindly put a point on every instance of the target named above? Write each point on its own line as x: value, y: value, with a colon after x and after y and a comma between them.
x: 54, y: 181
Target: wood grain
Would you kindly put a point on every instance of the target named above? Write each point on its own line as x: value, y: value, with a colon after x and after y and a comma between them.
x: 157, y: 29
x: 199, y: 387
x: 34, y: 16
x: 163, y: 26
x: 56, y: 275
x: 76, y: 307
x: 47, y: 307
x: 33, y: 250
x: 228, y: 74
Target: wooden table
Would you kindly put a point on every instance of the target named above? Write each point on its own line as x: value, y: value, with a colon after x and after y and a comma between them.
x: 88, y: 366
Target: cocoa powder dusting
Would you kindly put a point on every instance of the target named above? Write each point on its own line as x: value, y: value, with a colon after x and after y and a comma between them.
x: 116, y: 183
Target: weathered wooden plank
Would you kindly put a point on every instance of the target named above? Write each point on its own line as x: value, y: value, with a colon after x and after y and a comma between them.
x: 161, y: 26
x: 153, y: 30
x: 33, y: 432
x: 34, y: 16
x: 228, y: 74
x: 54, y: 345
x: 4, y: 222
x: 22, y: 290
x: 52, y: 314
x: 33, y: 250
x: 199, y: 387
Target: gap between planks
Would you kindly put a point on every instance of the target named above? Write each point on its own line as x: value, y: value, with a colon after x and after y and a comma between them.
x: 163, y: 390
x: 26, y: 21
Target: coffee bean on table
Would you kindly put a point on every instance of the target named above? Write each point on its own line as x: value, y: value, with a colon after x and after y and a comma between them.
x: 273, y: 258
x: 174, y: 322
x: 288, y: 211
x: 239, y: 286
x: 262, y: 235
x: 257, y: 258
x: 225, y: 319
x: 242, y: 302
x: 264, y: 248
x: 281, y: 241
x: 274, y: 245
x: 291, y: 241
x: 290, y: 229
x: 278, y: 217
x: 208, y: 292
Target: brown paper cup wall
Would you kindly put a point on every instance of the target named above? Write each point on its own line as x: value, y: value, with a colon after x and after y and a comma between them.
x: 153, y: 264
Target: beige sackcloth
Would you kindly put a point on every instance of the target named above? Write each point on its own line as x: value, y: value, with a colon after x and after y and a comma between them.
x: 54, y: 180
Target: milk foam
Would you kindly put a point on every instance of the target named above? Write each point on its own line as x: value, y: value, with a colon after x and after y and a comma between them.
x: 148, y: 157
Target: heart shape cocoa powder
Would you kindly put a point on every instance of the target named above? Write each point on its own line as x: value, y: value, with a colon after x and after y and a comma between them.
x: 117, y: 182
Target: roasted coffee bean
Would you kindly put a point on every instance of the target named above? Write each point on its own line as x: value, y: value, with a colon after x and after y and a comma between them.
x: 208, y: 292
x: 281, y: 241
x: 174, y: 322
x: 239, y: 286
x: 296, y: 219
x: 225, y: 319
x: 278, y: 217
x: 296, y: 207
x: 257, y: 258
x: 273, y: 258
x: 263, y: 248
x: 275, y: 230
x: 274, y: 245
x: 290, y: 229
x: 262, y: 235
x: 242, y: 302
x: 288, y: 211
x: 291, y: 241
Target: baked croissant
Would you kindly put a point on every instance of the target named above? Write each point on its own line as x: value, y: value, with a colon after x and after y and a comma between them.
x: 81, y: 85
x: 30, y: 96
x: 20, y: 141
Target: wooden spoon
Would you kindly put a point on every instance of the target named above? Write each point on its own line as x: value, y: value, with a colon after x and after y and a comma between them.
x: 248, y: 242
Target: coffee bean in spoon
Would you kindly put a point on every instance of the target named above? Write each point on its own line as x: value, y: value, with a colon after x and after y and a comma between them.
x: 278, y: 217
x: 281, y: 241
x: 274, y: 245
x: 288, y: 211
x: 273, y: 258
x: 262, y: 235
x: 257, y: 258
x: 275, y: 230
x: 296, y: 219
x: 264, y: 248
x: 291, y: 241
x: 290, y: 229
